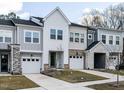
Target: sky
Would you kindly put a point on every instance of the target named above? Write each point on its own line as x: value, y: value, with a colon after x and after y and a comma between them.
x: 73, y: 11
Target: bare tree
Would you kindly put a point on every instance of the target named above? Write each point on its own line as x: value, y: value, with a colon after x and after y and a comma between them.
x: 112, y: 17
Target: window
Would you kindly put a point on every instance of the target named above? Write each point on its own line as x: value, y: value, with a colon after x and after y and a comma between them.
x: 53, y: 34
x: 33, y: 59
x: 24, y: 59
x: 90, y: 36
x: 35, y: 37
x: 59, y: 36
x: 1, y: 39
x: 111, y: 40
x: 32, y: 37
x: 73, y: 56
x: 37, y: 59
x: 27, y: 36
x: 104, y: 39
x: 8, y: 39
x: 82, y: 38
x: 76, y: 37
x: 117, y: 40
x: 71, y: 36
x: 28, y: 59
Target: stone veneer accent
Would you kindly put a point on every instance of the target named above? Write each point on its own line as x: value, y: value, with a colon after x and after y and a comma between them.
x: 46, y: 67
x: 66, y: 66
x: 15, y: 59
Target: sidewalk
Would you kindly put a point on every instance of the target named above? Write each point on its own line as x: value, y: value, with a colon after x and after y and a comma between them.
x: 49, y: 83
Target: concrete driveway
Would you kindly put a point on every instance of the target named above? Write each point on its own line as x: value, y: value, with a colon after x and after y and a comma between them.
x: 49, y: 83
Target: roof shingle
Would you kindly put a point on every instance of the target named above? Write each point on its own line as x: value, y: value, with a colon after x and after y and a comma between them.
x: 92, y: 45
x: 24, y: 22
x: 6, y: 22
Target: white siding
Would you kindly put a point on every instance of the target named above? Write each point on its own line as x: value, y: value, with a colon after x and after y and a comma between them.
x: 78, y: 45
x: 55, y: 21
x: 114, y: 47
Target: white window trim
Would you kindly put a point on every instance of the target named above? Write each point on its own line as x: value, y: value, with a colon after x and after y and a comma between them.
x: 115, y: 40
x: 112, y: 39
x: 106, y: 38
x: 6, y: 42
x: 31, y: 36
x: 57, y: 34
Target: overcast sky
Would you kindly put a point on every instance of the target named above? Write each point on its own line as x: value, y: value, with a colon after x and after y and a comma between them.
x: 72, y: 10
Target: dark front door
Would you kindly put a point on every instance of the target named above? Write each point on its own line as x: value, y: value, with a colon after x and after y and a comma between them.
x: 53, y: 59
x: 99, y: 60
x: 4, y: 63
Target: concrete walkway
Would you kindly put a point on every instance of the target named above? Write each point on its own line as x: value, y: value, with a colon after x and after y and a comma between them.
x: 49, y: 83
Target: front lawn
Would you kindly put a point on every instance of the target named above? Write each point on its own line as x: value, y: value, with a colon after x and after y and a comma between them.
x: 16, y: 82
x: 72, y: 76
x: 121, y: 72
x: 108, y: 86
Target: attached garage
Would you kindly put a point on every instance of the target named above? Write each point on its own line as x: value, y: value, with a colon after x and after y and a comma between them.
x: 31, y: 64
x: 76, y: 62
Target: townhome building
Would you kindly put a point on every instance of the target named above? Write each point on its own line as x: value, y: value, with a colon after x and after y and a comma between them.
x: 54, y: 42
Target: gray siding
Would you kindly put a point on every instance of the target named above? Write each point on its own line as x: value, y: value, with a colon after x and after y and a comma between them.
x: 5, y: 45
x: 94, y: 34
x: 28, y: 46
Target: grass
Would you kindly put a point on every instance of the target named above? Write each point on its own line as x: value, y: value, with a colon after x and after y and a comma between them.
x: 16, y: 82
x: 121, y: 72
x: 108, y: 86
x: 73, y: 76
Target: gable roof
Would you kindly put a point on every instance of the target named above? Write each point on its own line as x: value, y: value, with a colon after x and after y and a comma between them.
x: 6, y: 22
x: 60, y: 11
x: 24, y: 22
x: 92, y: 45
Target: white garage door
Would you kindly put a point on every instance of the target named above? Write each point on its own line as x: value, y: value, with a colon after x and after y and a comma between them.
x: 76, y: 62
x: 31, y: 65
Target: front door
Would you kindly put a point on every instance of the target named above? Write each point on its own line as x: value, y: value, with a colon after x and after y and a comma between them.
x: 4, y: 63
x: 53, y: 59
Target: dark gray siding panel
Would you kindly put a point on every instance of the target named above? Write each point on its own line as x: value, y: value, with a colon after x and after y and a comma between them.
x: 94, y: 34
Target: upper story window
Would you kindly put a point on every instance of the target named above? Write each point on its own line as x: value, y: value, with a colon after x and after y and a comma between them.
x: 71, y: 37
x: 117, y: 40
x: 1, y: 39
x: 35, y: 37
x: 59, y: 34
x: 32, y: 36
x: 82, y: 38
x: 90, y: 36
x: 56, y: 34
x: 52, y: 34
x: 104, y: 39
x: 76, y: 37
x: 5, y: 36
x: 111, y: 40
x: 28, y: 36
x: 7, y: 39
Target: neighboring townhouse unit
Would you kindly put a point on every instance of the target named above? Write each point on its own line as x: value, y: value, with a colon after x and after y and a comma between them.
x: 53, y: 42
x: 105, y: 46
